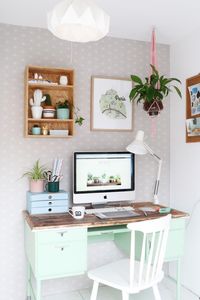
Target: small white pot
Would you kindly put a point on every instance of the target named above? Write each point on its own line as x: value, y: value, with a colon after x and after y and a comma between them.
x: 63, y: 80
x: 36, y: 112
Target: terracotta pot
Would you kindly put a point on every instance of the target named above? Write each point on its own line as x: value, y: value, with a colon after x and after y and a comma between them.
x: 153, y: 108
x: 37, y: 186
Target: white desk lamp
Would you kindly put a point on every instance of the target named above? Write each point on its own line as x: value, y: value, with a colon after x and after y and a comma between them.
x: 138, y: 146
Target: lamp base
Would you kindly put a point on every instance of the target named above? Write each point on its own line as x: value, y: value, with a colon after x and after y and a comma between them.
x: 155, y: 200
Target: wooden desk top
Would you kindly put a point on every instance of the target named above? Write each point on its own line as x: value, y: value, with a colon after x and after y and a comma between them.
x: 50, y: 221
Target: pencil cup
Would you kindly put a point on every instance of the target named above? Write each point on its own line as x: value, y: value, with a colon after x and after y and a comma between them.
x: 52, y: 187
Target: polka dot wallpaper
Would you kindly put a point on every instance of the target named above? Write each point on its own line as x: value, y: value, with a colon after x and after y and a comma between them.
x: 20, y: 46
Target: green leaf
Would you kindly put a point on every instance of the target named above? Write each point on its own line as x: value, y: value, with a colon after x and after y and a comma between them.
x: 136, y: 79
x: 178, y: 91
x: 79, y: 121
x: 175, y: 79
x: 37, y: 172
x: 154, y: 69
x: 133, y: 94
x: 150, y: 93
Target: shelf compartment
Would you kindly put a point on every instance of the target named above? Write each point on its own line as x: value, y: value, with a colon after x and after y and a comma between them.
x: 49, y: 120
x: 49, y: 136
x: 49, y: 86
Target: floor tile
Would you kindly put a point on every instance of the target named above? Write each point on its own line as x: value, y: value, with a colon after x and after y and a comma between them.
x: 68, y: 296
x: 167, y: 290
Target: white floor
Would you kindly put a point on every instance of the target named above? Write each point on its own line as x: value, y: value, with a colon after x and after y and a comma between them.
x: 167, y: 290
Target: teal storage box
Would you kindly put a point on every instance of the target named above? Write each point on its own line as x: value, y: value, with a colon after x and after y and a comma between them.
x: 47, y: 203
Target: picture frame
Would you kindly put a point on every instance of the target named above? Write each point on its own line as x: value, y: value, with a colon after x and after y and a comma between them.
x: 111, y: 108
x: 193, y: 109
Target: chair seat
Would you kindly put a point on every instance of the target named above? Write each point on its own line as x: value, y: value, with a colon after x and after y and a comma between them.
x: 116, y: 275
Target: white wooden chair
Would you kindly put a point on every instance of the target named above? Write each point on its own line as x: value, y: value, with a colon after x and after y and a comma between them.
x: 131, y: 275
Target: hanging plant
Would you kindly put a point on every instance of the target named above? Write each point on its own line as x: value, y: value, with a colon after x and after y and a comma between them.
x: 153, y: 90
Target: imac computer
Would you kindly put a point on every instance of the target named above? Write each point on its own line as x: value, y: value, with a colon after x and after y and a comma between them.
x: 102, y: 177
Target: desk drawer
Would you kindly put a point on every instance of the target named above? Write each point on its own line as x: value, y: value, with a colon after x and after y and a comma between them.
x: 47, y: 196
x: 48, y: 210
x: 62, y: 259
x: 49, y: 203
x: 62, y: 235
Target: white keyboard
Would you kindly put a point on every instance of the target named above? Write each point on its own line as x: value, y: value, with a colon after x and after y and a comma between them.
x: 108, y: 210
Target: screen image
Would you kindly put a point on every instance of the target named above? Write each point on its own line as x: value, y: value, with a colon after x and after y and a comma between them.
x: 101, y: 172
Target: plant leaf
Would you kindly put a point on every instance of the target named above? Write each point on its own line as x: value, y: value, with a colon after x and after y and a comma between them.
x: 136, y: 79
x: 178, y: 91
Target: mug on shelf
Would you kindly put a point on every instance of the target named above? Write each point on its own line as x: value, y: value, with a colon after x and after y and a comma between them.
x: 36, y: 130
x: 52, y: 187
x: 77, y: 212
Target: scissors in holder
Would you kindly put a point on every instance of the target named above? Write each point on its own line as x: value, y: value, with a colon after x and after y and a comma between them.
x: 48, y: 175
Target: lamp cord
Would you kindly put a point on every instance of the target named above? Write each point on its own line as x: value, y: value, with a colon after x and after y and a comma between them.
x: 192, y: 213
x: 71, y: 53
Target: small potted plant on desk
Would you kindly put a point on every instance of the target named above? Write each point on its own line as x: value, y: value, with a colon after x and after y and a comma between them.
x: 62, y: 109
x: 36, y: 177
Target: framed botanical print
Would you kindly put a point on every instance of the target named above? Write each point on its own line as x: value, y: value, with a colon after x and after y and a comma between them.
x: 111, y: 108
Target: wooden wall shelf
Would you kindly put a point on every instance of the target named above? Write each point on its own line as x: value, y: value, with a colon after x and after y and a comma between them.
x: 57, y: 93
x: 50, y: 120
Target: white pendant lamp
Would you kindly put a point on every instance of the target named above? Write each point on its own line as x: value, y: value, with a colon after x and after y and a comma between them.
x: 78, y: 21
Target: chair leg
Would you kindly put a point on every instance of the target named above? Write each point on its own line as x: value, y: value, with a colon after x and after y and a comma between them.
x: 125, y: 296
x: 156, y: 292
x: 94, y: 290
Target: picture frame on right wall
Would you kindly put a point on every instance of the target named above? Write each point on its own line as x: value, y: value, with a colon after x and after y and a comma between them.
x: 193, y: 109
x: 111, y: 108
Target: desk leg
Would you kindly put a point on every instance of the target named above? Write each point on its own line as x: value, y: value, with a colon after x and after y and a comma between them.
x: 28, y: 287
x: 38, y: 290
x: 178, y: 280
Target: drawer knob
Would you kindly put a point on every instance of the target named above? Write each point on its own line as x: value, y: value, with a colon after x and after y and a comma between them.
x: 50, y: 197
x: 49, y: 209
x: 62, y: 233
x: 50, y: 202
x: 62, y: 248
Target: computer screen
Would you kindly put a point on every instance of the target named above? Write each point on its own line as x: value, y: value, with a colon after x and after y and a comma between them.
x: 101, y: 177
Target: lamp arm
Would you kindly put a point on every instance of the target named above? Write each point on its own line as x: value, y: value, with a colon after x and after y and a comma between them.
x: 156, y: 187
x: 151, y: 152
x: 157, y: 183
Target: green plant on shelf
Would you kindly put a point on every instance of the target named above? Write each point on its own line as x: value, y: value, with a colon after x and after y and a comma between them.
x: 66, y: 104
x: 63, y: 104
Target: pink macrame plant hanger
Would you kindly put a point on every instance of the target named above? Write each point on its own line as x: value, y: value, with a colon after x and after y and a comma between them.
x: 154, y: 108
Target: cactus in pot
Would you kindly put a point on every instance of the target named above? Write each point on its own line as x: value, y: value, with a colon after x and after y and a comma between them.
x: 35, y: 103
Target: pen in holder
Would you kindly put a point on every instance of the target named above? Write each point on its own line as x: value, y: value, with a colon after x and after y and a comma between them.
x: 54, y: 177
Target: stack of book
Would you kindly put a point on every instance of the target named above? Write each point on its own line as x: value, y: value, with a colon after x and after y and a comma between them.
x: 59, y: 132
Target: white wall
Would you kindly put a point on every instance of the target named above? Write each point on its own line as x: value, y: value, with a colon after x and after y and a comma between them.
x: 185, y: 159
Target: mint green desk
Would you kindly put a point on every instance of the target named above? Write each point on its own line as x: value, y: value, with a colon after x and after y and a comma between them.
x: 56, y: 245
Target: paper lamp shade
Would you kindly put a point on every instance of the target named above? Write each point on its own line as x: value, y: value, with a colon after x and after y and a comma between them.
x: 78, y: 21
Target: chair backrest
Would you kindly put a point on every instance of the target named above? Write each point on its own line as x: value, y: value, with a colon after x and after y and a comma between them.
x: 154, y: 240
